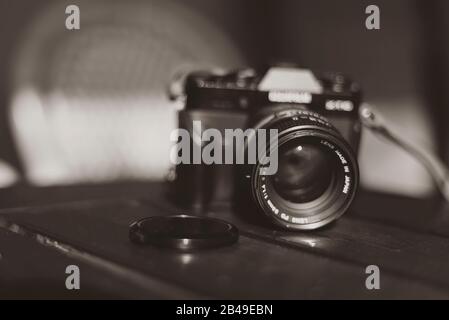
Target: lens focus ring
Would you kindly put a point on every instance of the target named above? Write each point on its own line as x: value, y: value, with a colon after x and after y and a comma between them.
x: 318, y: 176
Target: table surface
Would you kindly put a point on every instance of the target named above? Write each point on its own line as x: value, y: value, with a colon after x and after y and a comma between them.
x: 43, y: 230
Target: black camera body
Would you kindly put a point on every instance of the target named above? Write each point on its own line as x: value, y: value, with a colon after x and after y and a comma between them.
x: 317, y: 119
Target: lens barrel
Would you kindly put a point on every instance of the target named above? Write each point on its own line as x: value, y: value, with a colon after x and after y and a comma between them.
x: 317, y: 174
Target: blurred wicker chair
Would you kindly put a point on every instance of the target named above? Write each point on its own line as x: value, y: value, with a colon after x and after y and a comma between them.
x: 90, y: 105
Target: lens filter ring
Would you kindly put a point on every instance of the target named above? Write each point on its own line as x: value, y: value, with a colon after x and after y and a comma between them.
x: 183, y: 232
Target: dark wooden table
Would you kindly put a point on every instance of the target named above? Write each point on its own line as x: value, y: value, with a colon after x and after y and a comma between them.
x: 44, y: 230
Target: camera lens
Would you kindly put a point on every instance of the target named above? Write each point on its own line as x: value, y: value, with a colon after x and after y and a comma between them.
x: 317, y: 172
x: 304, y: 172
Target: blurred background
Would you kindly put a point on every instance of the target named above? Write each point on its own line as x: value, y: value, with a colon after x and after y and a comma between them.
x: 90, y: 105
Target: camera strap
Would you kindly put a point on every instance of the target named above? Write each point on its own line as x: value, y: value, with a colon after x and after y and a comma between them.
x: 435, y: 167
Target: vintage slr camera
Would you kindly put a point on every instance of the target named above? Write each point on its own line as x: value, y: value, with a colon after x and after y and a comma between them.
x: 317, y: 119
